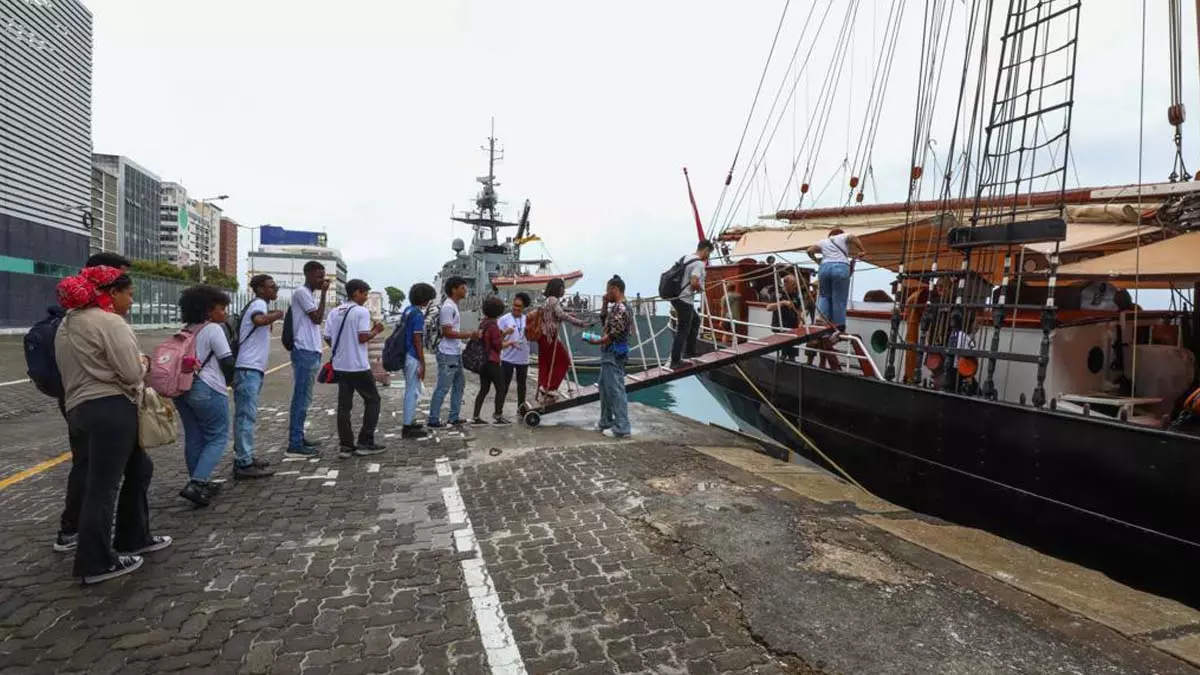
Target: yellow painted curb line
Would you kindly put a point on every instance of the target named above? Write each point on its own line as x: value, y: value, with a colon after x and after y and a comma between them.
x: 51, y: 463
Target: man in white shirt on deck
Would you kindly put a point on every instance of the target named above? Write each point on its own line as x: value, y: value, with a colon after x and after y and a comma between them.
x: 307, y: 316
x: 449, y: 357
x: 348, y: 331
x: 254, y: 346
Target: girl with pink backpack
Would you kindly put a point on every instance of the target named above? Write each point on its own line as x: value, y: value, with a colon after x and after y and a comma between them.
x: 194, y: 367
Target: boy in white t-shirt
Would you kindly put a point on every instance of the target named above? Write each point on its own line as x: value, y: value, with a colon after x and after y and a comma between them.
x: 307, y: 315
x: 348, y: 331
x: 254, y: 345
x: 449, y: 357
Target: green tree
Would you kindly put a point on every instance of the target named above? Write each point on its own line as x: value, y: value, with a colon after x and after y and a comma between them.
x: 158, y: 268
x: 395, y: 297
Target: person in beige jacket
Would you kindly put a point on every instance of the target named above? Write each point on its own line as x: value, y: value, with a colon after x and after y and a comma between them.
x: 102, y: 370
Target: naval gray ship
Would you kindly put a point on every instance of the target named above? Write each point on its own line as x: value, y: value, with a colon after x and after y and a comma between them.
x: 492, y: 265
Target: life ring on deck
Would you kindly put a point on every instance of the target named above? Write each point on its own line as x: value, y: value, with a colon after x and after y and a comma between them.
x: 934, y: 362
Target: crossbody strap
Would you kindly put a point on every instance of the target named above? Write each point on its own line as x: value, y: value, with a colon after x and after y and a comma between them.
x: 341, y: 329
x: 253, y: 326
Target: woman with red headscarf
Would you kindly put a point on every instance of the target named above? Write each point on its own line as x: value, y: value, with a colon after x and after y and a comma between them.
x: 102, y: 370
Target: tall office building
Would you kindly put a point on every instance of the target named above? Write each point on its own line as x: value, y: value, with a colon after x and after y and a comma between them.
x: 137, y: 208
x: 45, y: 151
x: 106, y: 195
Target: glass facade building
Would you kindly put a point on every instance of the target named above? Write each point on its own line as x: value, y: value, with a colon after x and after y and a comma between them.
x: 45, y: 151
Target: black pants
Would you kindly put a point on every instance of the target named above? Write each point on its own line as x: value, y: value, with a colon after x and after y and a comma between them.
x: 687, y: 328
x: 787, y: 318
x: 76, y: 480
x: 107, y: 431
x: 522, y: 372
x: 362, y: 382
x: 491, y: 374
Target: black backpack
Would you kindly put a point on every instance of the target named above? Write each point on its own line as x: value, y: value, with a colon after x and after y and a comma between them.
x: 474, y: 355
x: 670, y: 284
x: 40, y: 362
x: 288, y: 338
x: 233, y: 329
x: 395, y: 350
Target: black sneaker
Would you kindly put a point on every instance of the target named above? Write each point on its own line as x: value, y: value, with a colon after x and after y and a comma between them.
x: 414, y: 432
x: 311, y: 444
x: 301, y: 452
x: 346, y: 451
x: 157, y: 543
x: 478, y: 422
x: 368, y: 449
x: 457, y: 423
x: 252, y: 471
x: 260, y: 463
x: 197, y: 493
x: 124, y: 565
x: 436, y: 425
x: 65, y: 542
x: 501, y: 422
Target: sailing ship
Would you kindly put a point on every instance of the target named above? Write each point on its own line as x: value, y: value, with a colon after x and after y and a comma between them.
x: 1006, y: 379
x: 493, y: 265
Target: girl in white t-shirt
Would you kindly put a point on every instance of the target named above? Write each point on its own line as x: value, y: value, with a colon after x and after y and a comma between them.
x: 204, y: 409
x: 514, y: 360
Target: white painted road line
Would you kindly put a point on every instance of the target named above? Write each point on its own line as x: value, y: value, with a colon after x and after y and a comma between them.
x: 498, y: 642
x: 7, y: 384
x: 372, y: 468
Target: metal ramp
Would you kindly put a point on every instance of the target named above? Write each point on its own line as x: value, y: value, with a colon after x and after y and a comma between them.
x: 719, y: 358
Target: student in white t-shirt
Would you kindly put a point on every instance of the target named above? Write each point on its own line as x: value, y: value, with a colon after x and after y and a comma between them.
x: 204, y: 409
x: 307, y: 315
x: 348, y: 331
x: 254, y: 345
x: 449, y: 357
x: 514, y: 360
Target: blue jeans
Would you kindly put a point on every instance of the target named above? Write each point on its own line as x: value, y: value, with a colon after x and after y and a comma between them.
x: 614, y: 405
x: 412, y: 389
x: 834, y: 292
x: 247, y: 384
x: 205, y: 415
x: 304, y: 375
x: 450, y: 379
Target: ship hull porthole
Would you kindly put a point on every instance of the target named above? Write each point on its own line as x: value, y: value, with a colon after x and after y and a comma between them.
x: 1095, y: 360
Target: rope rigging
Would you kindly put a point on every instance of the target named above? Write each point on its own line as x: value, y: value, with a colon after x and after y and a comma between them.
x: 753, y: 104
x: 758, y: 156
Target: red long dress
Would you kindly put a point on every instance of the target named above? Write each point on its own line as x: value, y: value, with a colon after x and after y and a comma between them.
x: 553, y: 358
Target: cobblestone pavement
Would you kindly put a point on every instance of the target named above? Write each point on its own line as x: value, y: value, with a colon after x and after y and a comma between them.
x: 553, y: 550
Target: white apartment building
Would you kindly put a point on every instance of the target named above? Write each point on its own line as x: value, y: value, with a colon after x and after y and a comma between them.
x: 189, y: 229
x: 286, y: 265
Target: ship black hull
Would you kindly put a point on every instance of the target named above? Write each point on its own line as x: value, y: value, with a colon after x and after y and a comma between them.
x: 1121, y: 499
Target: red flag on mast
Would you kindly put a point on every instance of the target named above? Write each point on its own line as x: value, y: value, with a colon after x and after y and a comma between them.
x: 695, y: 211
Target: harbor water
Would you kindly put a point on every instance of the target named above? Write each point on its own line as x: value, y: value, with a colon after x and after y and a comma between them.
x: 685, y: 397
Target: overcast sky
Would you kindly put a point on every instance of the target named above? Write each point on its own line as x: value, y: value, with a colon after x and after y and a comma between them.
x: 364, y: 118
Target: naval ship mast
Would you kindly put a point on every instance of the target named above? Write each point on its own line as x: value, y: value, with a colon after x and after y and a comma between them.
x: 484, y: 220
